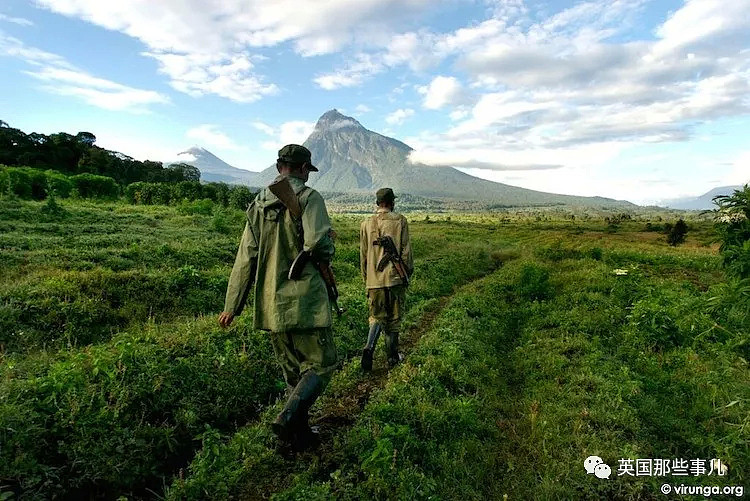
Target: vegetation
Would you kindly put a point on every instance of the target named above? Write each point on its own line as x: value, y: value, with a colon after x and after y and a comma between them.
x: 533, y: 340
x: 677, y: 233
x: 733, y: 224
x: 78, y: 155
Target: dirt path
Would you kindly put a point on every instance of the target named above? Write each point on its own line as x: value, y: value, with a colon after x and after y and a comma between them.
x: 336, y: 414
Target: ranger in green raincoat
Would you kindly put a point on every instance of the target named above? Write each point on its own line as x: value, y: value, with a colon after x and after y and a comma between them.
x: 296, y: 312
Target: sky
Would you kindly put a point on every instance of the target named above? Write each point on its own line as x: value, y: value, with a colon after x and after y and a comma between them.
x: 629, y: 99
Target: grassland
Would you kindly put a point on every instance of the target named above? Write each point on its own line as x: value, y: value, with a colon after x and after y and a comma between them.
x: 526, y: 353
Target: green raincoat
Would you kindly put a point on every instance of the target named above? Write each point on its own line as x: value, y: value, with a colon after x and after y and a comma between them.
x: 268, y: 247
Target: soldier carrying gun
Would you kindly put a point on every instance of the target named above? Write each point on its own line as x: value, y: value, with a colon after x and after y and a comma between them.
x: 386, y: 263
x: 285, y: 252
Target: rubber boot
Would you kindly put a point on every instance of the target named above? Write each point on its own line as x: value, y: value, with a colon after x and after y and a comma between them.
x: 391, y: 348
x: 291, y: 425
x: 369, y: 349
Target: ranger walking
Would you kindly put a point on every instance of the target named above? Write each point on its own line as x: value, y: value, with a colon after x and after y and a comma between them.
x: 285, y: 251
x: 386, y: 262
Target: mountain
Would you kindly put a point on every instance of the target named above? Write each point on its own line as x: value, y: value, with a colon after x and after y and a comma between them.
x: 702, y: 202
x: 215, y: 169
x: 353, y: 159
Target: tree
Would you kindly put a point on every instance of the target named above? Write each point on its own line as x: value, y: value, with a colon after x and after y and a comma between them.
x: 677, y: 233
x: 732, y: 223
x: 185, y: 172
x: 86, y: 138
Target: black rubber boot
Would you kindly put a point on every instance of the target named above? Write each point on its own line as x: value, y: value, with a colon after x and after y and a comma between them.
x: 391, y: 348
x: 291, y: 425
x: 369, y: 349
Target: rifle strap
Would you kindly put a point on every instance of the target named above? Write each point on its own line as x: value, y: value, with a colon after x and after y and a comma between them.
x: 298, y: 221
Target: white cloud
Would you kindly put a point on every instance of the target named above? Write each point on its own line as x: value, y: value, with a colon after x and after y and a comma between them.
x: 209, y: 134
x: 740, y: 172
x: 413, y: 49
x: 203, y: 46
x: 16, y: 20
x: 442, y: 91
x: 362, y: 109
x: 705, y: 24
x: 354, y: 74
x: 62, y: 78
x: 264, y: 127
x: 398, y: 116
x: 141, y: 148
x: 226, y: 76
x: 293, y: 132
x: 13, y: 47
x: 471, y: 152
x: 564, y: 91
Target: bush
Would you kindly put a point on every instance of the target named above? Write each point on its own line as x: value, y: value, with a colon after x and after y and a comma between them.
x: 677, y: 233
x: 26, y: 182
x: 114, y: 416
x: 204, y: 207
x: 533, y: 284
x: 58, y: 183
x: 52, y: 209
x: 134, y: 193
x: 654, y: 227
x: 92, y: 186
x: 187, y: 190
x: 240, y: 197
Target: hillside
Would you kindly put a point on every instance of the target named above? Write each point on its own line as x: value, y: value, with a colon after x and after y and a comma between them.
x: 353, y: 159
x: 702, y: 202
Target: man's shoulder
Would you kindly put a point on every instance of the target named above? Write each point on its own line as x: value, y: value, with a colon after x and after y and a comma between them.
x: 399, y: 216
x: 308, y: 193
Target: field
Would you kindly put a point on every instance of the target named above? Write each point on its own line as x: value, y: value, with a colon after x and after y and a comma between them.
x: 533, y: 340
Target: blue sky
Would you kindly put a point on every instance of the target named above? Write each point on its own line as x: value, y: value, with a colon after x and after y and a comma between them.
x: 631, y: 99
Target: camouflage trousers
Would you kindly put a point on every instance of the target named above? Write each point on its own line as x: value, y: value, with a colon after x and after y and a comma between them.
x: 301, y: 350
x: 386, y: 308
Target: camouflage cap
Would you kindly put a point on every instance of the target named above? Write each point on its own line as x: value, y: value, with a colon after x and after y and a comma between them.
x: 384, y: 195
x: 296, y: 154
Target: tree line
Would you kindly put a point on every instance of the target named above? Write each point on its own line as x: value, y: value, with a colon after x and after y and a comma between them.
x: 77, y: 154
x: 37, y: 166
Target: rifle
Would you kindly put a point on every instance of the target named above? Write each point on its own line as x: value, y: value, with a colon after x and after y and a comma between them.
x: 284, y: 192
x: 393, y: 256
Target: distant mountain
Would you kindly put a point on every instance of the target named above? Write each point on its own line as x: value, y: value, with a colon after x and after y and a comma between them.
x: 215, y: 169
x: 353, y: 159
x: 702, y: 202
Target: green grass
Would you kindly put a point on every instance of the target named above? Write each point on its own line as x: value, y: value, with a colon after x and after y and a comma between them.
x: 110, y: 374
x: 115, y: 378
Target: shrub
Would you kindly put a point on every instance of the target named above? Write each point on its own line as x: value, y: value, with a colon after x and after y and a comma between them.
x: 134, y: 193
x: 501, y: 257
x: 534, y: 283
x: 218, y: 192
x: 240, y: 197
x: 92, y: 186
x: 187, y: 190
x: 52, y: 209
x: 26, y: 182
x: 113, y: 417
x: 677, y: 233
x: 58, y: 183
x: 654, y: 227
x: 204, y: 207
x: 220, y: 222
